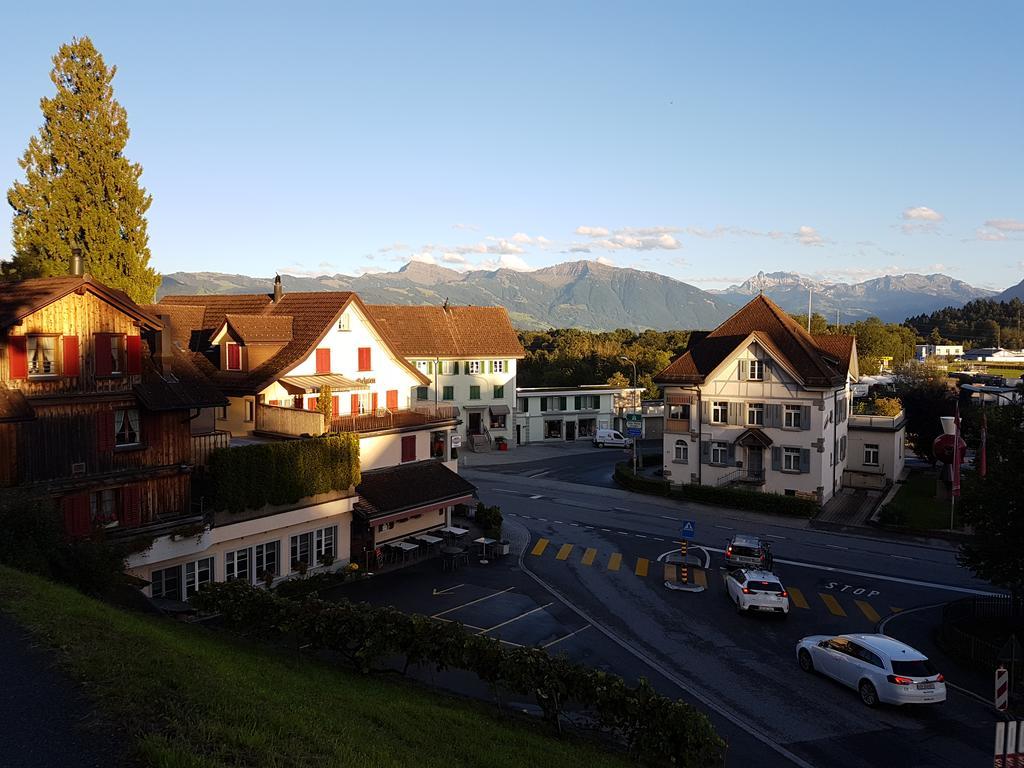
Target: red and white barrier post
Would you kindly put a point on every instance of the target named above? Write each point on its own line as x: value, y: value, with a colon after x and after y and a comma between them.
x: 1002, y: 688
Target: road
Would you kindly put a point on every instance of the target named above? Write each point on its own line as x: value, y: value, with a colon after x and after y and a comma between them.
x: 598, y: 549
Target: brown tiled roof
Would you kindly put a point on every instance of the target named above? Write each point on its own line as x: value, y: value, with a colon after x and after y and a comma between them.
x: 312, y: 313
x: 13, y: 405
x: 408, y: 487
x: 19, y: 298
x: 780, y: 334
x: 261, y: 329
x: 839, y: 348
x: 184, y: 320
x: 431, y: 331
x: 174, y: 383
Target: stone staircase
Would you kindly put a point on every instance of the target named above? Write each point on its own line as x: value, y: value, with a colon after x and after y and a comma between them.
x: 480, y: 443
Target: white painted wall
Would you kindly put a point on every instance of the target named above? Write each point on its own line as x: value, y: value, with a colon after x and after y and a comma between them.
x: 461, y: 384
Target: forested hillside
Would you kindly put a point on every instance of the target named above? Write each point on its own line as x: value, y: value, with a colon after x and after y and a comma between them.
x: 981, y: 323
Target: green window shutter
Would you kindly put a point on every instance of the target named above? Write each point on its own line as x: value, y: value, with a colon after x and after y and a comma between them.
x: 430, y: 367
x: 474, y: 392
x: 805, y: 460
x: 579, y: 403
x: 705, y: 453
x: 776, y: 458
x: 805, y: 417
x: 490, y: 366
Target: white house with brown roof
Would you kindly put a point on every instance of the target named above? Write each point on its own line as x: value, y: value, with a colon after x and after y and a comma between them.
x: 469, y: 355
x: 762, y: 403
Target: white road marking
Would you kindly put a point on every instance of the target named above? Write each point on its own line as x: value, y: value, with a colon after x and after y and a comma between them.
x: 617, y: 509
x: 472, y: 602
x: 881, y: 577
x: 450, y: 589
x: 536, y: 496
x: 638, y: 535
x: 542, y: 519
x: 539, y: 474
x: 515, y: 618
x: 725, y: 527
x: 773, y: 536
x: 609, y: 530
x: 566, y: 637
x: 575, y: 524
x: 558, y: 522
x: 835, y: 546
x: 903, y: 557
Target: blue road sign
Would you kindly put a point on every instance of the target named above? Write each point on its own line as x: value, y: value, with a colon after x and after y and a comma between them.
x: 634, y: 431
x: 688, y: 530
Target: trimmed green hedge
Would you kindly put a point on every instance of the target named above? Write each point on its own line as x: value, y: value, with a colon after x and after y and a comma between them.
x: 738, y: 498
x: 659, y: 729
x: 281, y: 472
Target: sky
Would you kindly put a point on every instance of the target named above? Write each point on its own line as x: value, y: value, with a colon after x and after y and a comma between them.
x: 705, y: 141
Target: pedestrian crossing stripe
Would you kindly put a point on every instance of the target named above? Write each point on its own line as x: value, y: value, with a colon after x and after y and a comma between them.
x: 614, y: 562
x: 868, y: 611
x: 797, y: 598
x: 539, y: 547
x: 700, y: 578
x: 564, y: 552
x: 641, y: 566
x: 832, y: 604
x: 588, y: 556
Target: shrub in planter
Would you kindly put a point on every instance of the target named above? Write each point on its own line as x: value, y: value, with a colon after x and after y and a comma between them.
x: 490, y: 519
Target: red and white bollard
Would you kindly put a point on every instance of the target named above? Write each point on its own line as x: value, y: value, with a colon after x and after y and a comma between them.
x: 1002, y: 688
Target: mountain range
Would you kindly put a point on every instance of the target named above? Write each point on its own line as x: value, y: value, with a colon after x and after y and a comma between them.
x: 893, y: 298
x: 593, y: 296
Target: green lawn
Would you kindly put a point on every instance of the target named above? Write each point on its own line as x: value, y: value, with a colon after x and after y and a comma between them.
x: 190, y: 697
x: 915, y: 506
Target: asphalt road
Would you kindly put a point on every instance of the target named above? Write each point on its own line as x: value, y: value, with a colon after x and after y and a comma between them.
x: 601, y: 555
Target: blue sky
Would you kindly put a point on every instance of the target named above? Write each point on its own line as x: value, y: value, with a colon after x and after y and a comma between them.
x: 703, y: 141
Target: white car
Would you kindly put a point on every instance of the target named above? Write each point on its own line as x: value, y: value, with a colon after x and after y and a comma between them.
x: 878, y: 667
x: 752, y: 590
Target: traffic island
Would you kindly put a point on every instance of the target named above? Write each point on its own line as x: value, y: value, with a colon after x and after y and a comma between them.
x: 685, y: 574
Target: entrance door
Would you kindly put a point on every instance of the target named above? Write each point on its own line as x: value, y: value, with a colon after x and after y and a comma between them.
x: 755, y: 462
x: 474, y: 423
x: 570, y: 430
x: 519, y: 435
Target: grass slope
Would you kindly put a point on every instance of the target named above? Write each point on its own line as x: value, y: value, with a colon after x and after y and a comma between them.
x: 196, y: 698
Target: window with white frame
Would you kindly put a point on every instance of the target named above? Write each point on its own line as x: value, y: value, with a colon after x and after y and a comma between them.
x: 313, y: 547
x: 791, y: 417
x: 719, y: 412
x: 870, y: 454
x: 755, y: 370
x: 267, y: 559
x: 719, y: 453
x: 180, y: 582
x: 499, y: 366
x: 790, y: 459
x: 423, y: 366
x: 238, y: 565
x: 126, y: 427
x: 681, y: 453
x: 42, y: 355
x: 475, y: 366
x: 755, y: 414
x: 448, y: 367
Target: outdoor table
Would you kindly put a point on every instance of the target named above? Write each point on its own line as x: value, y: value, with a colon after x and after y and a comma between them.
x: 451, y: 556
x: 452, y: 530
x: 484, y: 543
x: 405, y: 547
x: 429, y: 540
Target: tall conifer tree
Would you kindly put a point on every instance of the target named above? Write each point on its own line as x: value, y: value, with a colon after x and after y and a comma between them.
x: 80, y: 191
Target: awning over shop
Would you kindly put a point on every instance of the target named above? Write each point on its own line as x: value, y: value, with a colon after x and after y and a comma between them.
x: 500, y: 410
x: 393, y: 493
x: 298, y: 385
x: 474, y: 408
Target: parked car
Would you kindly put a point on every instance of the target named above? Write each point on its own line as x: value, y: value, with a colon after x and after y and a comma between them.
x: 612, y: 437
x: 745, y: 551
x: 878, y: 667
x: 753, y: 590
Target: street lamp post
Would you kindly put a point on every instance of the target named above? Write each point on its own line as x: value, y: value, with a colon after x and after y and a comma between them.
x: 625, y: 359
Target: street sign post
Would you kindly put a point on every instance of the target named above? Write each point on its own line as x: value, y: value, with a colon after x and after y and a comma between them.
x: 634, y: 424
x: 686, y: 532
x: 689, y: 529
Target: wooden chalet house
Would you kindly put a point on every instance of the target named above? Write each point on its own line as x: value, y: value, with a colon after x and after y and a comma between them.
x: 95, y: 407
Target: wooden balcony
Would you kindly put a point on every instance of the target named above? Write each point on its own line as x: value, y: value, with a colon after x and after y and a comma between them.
x: 677, y: 426
x: 205, y: 444
x: 383, y: 419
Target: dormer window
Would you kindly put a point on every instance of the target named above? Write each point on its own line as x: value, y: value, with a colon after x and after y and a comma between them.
x: 42, y: 355
x: 234, y: 356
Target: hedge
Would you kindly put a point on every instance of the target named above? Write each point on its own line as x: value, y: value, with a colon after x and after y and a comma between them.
x: 737, y: 498
x: 281, y: 472
x: 656, y: 728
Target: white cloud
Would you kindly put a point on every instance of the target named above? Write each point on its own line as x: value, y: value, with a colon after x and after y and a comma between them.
x: 506, y: 261
x: 605, y: 260
x: 990, y: 235
x: 542, y: 241
x: 368, y: 270
x: 1006, y: 225
x: 424, y: 257
x: 453, y: 258
x: 922, y: 213
x: 505, y: 247
x: 522, y: 238
x: 470, y: 227
x: 808, y: 236
x: 592, y: 231
x: 579, y: 248
x: 396, y: 246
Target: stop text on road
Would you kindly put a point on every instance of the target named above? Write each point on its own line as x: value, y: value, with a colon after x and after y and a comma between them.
x: 851, y: 589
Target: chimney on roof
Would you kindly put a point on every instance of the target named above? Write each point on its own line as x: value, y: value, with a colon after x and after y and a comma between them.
x: 445, y: 306
x: 76, y: 263
x: 278, y: 292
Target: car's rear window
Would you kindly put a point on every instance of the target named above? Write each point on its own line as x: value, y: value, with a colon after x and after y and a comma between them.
x: 764, y: 586
x: 922, y: 668
x: 745, y: 552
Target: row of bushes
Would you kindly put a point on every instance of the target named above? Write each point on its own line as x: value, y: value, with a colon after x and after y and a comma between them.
x: 737, y: 498
x: 654, y: 727
x: 281, y: 472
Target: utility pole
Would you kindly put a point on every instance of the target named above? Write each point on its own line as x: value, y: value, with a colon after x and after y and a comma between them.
x: 625, y: 359
x: 810, y: 295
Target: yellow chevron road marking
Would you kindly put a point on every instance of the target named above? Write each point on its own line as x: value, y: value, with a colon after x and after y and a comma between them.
x: 832, y: 604
x: 614, y: 562
x: 539, y: 547
x: 641, y: 566
x: 588, y: 556
x: 563, y: 553
x: 797, y: 598
x: 867, y: 610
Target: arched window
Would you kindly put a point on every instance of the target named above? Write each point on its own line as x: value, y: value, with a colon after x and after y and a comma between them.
x: 682, y: 451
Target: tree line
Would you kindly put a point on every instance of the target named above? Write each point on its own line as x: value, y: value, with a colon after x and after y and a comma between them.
x: 979, y: 323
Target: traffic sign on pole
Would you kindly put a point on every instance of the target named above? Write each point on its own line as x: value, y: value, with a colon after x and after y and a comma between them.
x: 688, y: 530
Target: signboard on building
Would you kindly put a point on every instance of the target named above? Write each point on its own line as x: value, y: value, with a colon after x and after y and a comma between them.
x: 456, y: 441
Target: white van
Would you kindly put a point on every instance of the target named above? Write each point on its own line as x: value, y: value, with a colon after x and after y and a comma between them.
x: 611, y: 437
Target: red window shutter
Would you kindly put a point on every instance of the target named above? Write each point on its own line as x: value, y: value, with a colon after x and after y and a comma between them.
x: 409, y: 448
x: 102, y: 360
x: 105, y: 431
x: 133, y: 351
x: 311, y: 403
x: 323, y: 361
x: 17, y: 356
x: 70, y: 360
x: 364, y: 358
x: 275, y: 402
x: 373, y: 402
x: 234, y: 357
x: 355, y: 405
x: 392, y: 399
x: 335, y: 406
x: 76, y: 515
x: 129, y: 514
